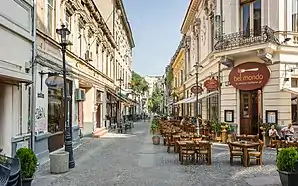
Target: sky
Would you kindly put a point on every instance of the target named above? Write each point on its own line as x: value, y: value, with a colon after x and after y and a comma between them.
x: 156, y: 30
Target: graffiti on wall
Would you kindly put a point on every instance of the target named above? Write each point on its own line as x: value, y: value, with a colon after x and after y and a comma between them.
x: 40, y: 120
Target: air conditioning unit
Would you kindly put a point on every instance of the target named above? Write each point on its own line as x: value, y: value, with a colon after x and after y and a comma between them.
x: 88, y: 55
x: 80, y: 94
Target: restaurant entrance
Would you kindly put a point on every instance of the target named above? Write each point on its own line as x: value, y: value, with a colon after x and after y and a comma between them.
x: 250, y: 109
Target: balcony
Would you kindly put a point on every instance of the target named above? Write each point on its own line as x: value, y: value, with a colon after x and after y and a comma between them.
x: 246, y: 38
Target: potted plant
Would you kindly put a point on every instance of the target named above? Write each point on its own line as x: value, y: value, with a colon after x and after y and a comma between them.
x: 287, y: 166
x: 28, y: 162
x: 154, y: 127
x: 230, y: 131
x: 216, y: 127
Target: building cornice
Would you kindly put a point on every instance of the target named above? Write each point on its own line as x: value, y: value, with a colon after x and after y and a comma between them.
x: 180, y: 46
x: 190, y: 15
x: 100, y: 20
x: 119, y: 4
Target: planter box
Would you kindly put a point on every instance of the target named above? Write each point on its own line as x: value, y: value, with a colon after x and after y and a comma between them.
x: 59, y: 162
x: 288, y: 178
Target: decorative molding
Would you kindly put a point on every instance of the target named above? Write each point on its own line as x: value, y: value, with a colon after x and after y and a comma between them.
x: 190, y: 15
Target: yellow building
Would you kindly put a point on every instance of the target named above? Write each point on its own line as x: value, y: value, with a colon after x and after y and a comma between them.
x: 177, y: 66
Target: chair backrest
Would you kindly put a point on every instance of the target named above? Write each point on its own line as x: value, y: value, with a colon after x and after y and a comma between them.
x: 190, y: 146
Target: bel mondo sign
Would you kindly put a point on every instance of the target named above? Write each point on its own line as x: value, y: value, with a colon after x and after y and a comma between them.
x: 249, y: 76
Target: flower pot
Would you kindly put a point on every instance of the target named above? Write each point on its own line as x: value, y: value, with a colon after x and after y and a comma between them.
x: 156, y: 140
x: 26, y: 181
x: 288, y: 178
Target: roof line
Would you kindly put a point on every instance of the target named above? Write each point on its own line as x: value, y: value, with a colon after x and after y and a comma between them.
x: 120, y: 5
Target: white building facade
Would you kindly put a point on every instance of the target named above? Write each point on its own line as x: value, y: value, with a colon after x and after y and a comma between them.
x: 16, y: 35
x: 252, y: 61
x: 91, y: 64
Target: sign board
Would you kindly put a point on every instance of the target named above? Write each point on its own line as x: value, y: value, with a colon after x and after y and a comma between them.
x: 196, y: 89
x: 249, y: 76
x: 211, y: 84
x: 54, y: 82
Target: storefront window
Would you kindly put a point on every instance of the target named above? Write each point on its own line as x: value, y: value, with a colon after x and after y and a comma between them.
x: 212, y: 103
x: 56, y: 110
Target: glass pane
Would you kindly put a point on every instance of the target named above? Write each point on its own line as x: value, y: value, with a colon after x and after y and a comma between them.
x: 246, y: 19
x: 50, y: 19
x: 55, y: 110
x: 295, y: 16
x: 257, y: 17
x: 51, y: 2
x: 245, y: 106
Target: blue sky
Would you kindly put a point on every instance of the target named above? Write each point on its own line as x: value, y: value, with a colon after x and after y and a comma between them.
x: 156, y: 29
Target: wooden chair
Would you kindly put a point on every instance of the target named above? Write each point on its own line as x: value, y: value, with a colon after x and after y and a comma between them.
x: 188, y: 152
x: 170, y: 143
x: 258, y: 155
x: 280, y: 145
x: 235, y: 153
x: 202, y: 151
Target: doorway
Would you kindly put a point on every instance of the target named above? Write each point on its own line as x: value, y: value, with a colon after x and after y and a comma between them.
x: 250, y: 109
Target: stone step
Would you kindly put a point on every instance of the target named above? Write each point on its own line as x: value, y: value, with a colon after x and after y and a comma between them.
x: 99, y: 132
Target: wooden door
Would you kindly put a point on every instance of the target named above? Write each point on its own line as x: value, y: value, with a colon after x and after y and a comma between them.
x: 98, y: 116
x: 245, y: 112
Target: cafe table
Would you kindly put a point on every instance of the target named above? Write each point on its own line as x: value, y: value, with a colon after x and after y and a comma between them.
x: 244, y: 145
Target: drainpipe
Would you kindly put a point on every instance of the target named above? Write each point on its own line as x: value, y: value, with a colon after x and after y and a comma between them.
x: 219, y: 65
x: 33, y: 87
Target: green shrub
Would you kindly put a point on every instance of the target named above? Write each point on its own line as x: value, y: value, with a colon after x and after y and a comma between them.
x: 286, y: 159
x: 154, y: 125
x: 28, y: 162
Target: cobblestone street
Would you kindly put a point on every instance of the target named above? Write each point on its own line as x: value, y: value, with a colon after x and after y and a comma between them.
x: 131, y: 160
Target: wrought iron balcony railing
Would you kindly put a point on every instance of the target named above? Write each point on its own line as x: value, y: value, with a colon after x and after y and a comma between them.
x: 246, y: 38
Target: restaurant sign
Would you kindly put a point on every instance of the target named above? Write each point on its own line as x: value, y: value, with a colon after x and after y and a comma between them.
x: 249, y: 76
x: 196, y: 89
x: 211, y: 84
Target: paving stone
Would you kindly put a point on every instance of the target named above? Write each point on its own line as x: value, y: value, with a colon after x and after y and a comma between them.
x: 265, y: 180
x: 132, y: 160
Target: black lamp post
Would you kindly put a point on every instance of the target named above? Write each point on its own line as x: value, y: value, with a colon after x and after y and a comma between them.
x: 120, y: 83
x: 196, y: 66
x: 63, y: 32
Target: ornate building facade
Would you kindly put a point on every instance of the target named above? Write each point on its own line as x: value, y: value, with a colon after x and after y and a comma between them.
x: 245, y: 60
x: 92, y: 70
x: 178, y: 68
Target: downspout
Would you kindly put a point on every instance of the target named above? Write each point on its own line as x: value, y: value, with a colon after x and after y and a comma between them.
x: 33, y: 87
x: 219, y: 63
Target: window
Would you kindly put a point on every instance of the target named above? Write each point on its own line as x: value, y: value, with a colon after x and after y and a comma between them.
x: 181, y: 77
x: 97, y: 55
x: 295, y: 16
x: 68, y: 20
x: 212, y: 103
x: 80, y: 38
x: 212, y: 32
x: 251, y: 17
x: 294, y: 82
x: 50, y: 8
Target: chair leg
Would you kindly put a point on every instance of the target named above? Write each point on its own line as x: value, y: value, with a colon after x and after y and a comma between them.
x: 248, y: 161
x: 168, y: 150
x: 182, y: 160
x: 231, y: 160
x: 261, y: 160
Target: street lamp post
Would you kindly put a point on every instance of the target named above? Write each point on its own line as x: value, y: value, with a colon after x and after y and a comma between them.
x: 120, y: 83
x: 63, y: 32
x: 196, y: 66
